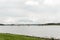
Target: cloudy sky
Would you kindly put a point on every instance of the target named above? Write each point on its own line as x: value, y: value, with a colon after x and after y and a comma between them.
x: 29, y: 11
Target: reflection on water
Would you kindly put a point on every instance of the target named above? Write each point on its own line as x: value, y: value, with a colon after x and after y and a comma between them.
x: 41, y: 31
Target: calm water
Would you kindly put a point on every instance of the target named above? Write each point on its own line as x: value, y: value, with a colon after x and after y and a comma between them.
x: 41, y: 31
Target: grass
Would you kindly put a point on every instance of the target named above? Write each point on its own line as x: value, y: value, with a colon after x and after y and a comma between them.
x: 7, y: 36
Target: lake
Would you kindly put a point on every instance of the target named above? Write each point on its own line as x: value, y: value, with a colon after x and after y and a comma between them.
x: 39, y: 31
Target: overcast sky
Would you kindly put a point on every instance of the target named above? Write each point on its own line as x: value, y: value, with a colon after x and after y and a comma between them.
x: 29, y: 11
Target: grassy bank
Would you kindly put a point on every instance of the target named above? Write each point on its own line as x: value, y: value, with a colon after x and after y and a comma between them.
x: 7, y: 36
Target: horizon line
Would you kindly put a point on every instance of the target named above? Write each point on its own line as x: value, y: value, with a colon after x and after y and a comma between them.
x: 46, y: 24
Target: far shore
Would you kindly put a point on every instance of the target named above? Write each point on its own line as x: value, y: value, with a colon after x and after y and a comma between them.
x: 46, y: 24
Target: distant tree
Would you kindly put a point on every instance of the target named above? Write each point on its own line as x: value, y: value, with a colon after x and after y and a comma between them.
x: 1, y: 24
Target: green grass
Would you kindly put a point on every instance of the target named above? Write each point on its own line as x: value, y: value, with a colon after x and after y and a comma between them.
x: 7, y: 36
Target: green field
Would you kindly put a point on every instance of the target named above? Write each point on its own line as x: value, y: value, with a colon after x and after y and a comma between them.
x: 7, y: 36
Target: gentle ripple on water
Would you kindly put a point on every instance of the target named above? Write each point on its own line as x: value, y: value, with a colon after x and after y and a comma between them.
x: 41, y: 31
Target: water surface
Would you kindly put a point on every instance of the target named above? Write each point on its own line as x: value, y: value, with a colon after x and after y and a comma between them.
x: 40, y: 31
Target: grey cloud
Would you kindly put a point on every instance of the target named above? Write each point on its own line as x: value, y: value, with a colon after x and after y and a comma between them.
x: 17, y: 8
